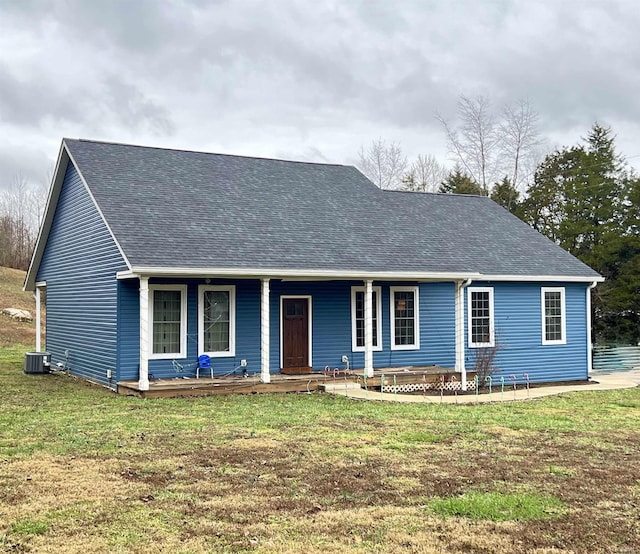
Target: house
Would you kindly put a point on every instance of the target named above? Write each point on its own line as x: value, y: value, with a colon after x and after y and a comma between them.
x: 151, y: 257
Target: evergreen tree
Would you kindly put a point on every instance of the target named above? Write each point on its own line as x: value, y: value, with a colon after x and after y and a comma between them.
x: 584, y: 199
x: 458, y: 182
x: 505, y: 194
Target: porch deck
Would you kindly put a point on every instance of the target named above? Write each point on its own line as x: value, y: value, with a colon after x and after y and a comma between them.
x: 397, y: 376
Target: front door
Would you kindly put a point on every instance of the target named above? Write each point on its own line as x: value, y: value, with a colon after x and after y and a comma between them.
x: 295, y: 333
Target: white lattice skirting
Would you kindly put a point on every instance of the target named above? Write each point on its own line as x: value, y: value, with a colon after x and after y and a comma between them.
x: 419, y: 387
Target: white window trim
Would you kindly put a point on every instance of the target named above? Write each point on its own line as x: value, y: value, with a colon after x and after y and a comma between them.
x: 378, y: 307
x: 416, y: 318
x: 543, y: 291
x: 231, y: 289
x: 309, y: 323
x: 492, y: 337
x: 183, y: 322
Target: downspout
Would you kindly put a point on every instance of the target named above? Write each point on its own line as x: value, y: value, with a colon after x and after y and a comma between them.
x: 459, y: 326
x: 589, y: 344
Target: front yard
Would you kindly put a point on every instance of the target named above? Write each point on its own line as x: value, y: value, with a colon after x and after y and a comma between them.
x: 84, y: 470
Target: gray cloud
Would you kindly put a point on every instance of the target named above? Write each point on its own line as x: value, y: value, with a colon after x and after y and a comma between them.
x: 305, y: 80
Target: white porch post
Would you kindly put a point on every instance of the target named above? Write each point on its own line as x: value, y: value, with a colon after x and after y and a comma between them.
x: 459, y: 327
x: 143, y: 382
x: 38, y: 320
x: 265, y: 376
x: 368, y: 328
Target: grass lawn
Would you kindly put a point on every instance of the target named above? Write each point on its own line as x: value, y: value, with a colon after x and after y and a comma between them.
x: 83, y: 470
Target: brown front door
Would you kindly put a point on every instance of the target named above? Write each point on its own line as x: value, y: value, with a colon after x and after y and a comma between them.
x: 295, y: 332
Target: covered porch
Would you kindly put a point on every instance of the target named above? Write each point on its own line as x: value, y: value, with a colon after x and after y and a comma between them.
x: 392, y: 379
x: 350, y: 316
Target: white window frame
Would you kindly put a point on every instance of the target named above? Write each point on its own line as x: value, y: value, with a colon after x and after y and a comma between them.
x: 183, y: 322
x: 231, y: 289
x: 377, y: 307
x: 563, y: 315
x: 416, y: 318
x: 492, y: 337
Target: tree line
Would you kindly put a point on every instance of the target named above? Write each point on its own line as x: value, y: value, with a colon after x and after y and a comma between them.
x: 586, y: 197
x: 21, y: 207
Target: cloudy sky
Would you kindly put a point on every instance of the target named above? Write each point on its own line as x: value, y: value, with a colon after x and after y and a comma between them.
x: 305, y: 79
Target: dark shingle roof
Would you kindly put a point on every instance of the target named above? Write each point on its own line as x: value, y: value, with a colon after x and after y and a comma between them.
x: 182, y: 209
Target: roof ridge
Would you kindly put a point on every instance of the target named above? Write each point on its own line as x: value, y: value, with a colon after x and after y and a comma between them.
x: 191, y: 151
x: 436, y: 193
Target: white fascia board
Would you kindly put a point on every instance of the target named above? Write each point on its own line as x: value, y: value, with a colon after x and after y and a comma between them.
x: 542, y: 278
x: 294, y: 274
x: 47, y: 218
x: 104, y: 219
x: 314, y: 274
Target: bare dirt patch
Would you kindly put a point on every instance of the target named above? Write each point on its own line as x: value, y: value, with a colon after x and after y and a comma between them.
x: 82, y: 470
x: 241, y: 486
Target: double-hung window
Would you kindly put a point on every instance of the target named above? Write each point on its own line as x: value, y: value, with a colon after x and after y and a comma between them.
x: 358, y: 322
x: 168, y: 317
x: 480, y: 315
x: 553, y: 315
x: 217, y: 320
x: 405, y: 322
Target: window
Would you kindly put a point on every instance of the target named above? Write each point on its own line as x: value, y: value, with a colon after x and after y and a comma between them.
x: 405, y: 330
x: 480, y: 310
x: 357, y: 318
x: 553, y: 316
x: 217, y: 320
x: 168, y: 316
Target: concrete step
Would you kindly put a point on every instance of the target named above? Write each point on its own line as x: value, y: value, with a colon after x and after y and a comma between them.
x: 340, y: 386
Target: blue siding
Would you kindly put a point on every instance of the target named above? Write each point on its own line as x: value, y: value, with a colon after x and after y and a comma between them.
x: 79, y: 265
x: 247, y: 330
x: 330, y: 327
x: 331, y: 320
x: 518, y: 329
x: 128, y: 329
x: 517, y: 321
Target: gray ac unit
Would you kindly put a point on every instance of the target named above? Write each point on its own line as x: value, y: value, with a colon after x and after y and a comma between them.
x: 37, y: 362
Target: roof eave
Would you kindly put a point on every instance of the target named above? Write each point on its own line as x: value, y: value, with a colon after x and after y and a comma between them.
x: 276, y: 273
x: 320, y: 274
x: 545, y: 278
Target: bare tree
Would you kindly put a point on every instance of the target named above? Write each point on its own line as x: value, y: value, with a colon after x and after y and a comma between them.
x: 21, y: 207
x: 475, y: 142
x: 490, y: 147
x: 425, y: 174
x: 520, y: 140
x: 384, y: 163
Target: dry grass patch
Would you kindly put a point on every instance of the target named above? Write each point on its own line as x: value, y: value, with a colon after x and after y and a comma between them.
x: 43, y: 483
x: 13, y: 331
x: 82, y: 470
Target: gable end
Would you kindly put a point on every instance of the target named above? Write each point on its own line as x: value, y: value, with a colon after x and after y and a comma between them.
x: 60, y: 172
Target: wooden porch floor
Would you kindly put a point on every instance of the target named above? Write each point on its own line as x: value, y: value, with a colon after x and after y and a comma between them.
x: 309, y: 382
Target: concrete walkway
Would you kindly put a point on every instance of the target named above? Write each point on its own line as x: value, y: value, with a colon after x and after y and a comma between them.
x: 599, y: 381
